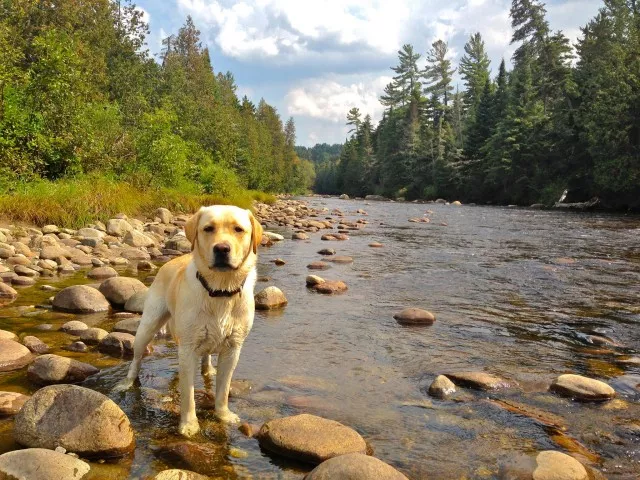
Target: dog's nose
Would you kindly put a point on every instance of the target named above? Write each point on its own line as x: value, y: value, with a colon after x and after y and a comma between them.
x: 221, y: 248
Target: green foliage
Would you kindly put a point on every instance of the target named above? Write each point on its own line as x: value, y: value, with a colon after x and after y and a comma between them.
x: 80, y: 96
x: 523, y: 137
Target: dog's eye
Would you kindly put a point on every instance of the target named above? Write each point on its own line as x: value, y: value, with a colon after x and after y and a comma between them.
x: 239, y: 229
x: 209, y: 228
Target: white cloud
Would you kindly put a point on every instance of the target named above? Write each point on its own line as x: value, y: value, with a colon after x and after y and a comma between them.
x: 330, y: 98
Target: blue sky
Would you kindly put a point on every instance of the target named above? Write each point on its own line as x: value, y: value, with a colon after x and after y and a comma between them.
x: 314, y: 60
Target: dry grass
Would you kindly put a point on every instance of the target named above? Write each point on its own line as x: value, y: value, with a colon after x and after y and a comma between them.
x: 75, y: 203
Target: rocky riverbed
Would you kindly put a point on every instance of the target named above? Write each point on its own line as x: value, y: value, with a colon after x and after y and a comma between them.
x: 71, y: 301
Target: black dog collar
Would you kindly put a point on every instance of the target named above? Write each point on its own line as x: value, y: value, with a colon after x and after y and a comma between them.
x: 218, y: 293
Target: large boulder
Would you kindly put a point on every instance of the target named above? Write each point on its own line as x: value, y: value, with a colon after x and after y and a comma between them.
x: 13, y: 355
x: 582, y: 388
x: 309, y: 438
x: 11, y: 403
x: 50, y: 369
x: 270, y: 298
x: 119, y: 289
x: 354, y: 466
x: 118, y: 227
x: 41, y: 464
x: 80, y: 299
x: 78, y: 419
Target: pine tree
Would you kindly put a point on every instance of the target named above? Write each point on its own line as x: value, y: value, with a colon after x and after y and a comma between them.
x: 474, y: 70
x: 438, y: 73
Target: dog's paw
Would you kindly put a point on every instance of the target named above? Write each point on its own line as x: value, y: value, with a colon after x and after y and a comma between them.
x: 227, y: 416
x: 189, y: 429
x: 123, y: 385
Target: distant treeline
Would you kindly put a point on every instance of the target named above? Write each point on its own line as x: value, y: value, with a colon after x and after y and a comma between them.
x: 560, y: 119
x: 79, y: 94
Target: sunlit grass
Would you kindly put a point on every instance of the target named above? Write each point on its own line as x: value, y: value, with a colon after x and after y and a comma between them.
x: 77, y: 202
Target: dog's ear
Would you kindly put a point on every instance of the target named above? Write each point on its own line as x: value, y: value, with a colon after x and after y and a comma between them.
x: 191, y: 228
x: 256, y: 232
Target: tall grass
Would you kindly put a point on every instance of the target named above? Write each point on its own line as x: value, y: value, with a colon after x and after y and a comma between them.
x: 77, y: 202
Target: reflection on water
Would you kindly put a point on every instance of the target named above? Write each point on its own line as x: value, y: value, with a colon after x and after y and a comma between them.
x: 523, y: 294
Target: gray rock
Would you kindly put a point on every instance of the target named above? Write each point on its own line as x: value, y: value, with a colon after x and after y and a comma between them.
x: 41, y: 464
x: 118, y: 227
x: 119, y: 289
x: 309, y: 438
x: 52, y: 253
x: 23, y: 281
x: 78, y: 419
x: 90, y: 232
x: 80, y: 299
x: 50, y: 369
x: 77, y: 346
x: 101, y: 273
x: 129, y: 325
x: 117, y: 343
x: 74, y: 327
x: 135, y: 303
x: 354, y: 466
x: 135, y: 238
x: 13, y: 356
x: 93, y: 336
x: 179, y: 474
x: 478, y: 380
x: 164, y: 215
x: 50, y: 229
x: 25, y: 271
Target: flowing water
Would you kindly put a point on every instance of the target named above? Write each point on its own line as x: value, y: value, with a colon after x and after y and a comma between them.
x: 519, y: 293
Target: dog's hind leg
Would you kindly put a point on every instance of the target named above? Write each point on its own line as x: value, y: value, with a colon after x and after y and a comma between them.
x: 227, y: 361
x: 154, y: 317
x: 208, y: 370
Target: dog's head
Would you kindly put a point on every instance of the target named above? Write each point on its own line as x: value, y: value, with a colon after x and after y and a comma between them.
x: 223, y: 237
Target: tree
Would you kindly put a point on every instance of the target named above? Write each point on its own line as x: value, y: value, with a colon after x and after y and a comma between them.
x: 438, y: 72
x: 474, y: 70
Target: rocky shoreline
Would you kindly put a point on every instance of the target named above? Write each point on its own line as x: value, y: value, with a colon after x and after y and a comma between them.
x: 100, y: 249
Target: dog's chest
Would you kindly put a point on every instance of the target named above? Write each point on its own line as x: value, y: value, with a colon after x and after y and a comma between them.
x: 213, y: 329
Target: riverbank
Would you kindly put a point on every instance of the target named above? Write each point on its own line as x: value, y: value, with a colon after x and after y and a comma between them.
x: 511, y: 306
x: 74, y: 203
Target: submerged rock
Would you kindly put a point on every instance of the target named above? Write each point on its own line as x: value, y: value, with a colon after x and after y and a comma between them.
x: 313, y: 280
x: 582, y: 388
x: 415, y: 316
x: 270, y: 298
x: 78, y: 419
x: 330, y: 287
x: 36, y: 345
x: 118, y: 344
x: 478, y: 380
x: 13, y: 355
x: 178, y: 474
x: 41, y: 464
x: 203, y: 458
x: 50, y: 369
x: 354, y: 466
x: 11, y: 403
x: 318, y: 266
x: 309, y: 438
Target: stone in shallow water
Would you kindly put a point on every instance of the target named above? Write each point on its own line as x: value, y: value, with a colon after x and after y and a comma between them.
x: 415, y: 316
x: 7, y: 335
x: 318, y: 266
x: 78, y: 347
x: 179, y: 474
x: 478, y: 380
x: 102, y: 272
x: 78, y: 419
x: 270, y: 298
x: 7, y: 292
x: 203, y: 458
x: 35, y: 345
x: 119, y: 289
x: 341, y: 259
x: 582, y: 388
x: 441, y: 387
x: 354, y: 466
x: 327, y: 251
x: 309, y: 438
x: 135, y: 304
x: 129, y: 325
x: 11, y: 402
x: 313, y: 280
x: 13, y: 355
x: 74, y: 327
x: 41, y: 464
x: 50, y: 369
x: 552, y: 465
x: 93, y: 336
x: 118, y: 344
x: 330, y: 287
x: 80, y: 299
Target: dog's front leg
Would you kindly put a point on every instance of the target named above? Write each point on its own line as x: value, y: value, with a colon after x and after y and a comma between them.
x: 227, y: 361
x: 188, y: 361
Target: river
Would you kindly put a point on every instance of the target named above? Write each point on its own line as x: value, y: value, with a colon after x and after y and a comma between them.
x: 519, y: 293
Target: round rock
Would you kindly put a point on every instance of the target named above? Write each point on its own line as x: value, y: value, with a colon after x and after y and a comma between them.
x: 270, y: 298
x: 74, y: 327
x: 179, y: 474
x: 13, y: 355
x: 327, y: 251
x: 41, y: 464
x: 129, y: 325
x: 78, y: 346
x: 135, y: 303
x: 7, y: 335
x: 80, y: 299
x: 50, y: 369
x: 78, y: 419
x: 117, y: 343
x: 313, y: 280
x: 309, y: 438
x: 318, y: 266
x: 119, y: 289
x: 102, y: 272
x: 36, y: 345
x: 414, y: 316
x: 7, y: 292
x: 354, y: 466
x: 582, y: 388
x: 300, y: 236
x: 552, y: 465
x: 330, y: 287
x: 93, y: 336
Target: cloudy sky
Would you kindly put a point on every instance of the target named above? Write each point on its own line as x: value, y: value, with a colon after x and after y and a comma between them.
x: 314, y: 60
